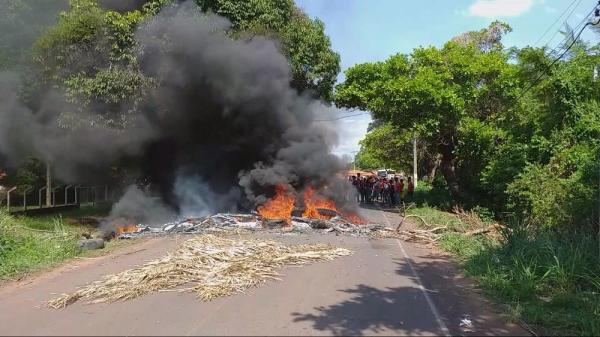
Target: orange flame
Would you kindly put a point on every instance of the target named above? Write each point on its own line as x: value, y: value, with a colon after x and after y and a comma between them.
x: 313, y: 203
x: 131, y: 228
x: 354, y: 218
x: 279, y: 207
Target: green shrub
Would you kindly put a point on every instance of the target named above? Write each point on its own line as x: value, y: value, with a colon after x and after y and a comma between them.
x: 551, y: 200
x: 436, y: 194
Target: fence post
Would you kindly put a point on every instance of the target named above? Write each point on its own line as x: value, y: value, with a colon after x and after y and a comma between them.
x: 48, y: 185
x: 8, y: 198
x: 66, y: 194
x: 77, y: 187
x: 54, y: 195
x: 25, y: 197
x: 40, y: 194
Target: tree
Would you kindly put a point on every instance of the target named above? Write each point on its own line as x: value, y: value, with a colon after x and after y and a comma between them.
x: 385, y: 146
x: 88, y: 29
x: 555, y: 134
x: 486, y: 39
x: 21, y: 22
x: 315, y: 66
x: 435, y: 92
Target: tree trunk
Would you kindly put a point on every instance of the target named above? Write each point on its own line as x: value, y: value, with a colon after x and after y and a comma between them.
x: 433, y: 167
x: 448, y: 168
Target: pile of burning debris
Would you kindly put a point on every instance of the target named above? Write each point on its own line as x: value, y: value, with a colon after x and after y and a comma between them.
x: 335, y: 224
x: 279, y: 214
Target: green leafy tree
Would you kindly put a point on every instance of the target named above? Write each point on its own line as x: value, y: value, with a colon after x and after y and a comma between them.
x: 21, y: 22
x: 385, y: 146
x: 437, y: 92
x: 315, y: 66
x: 30, y: 174
x: 91, y: 48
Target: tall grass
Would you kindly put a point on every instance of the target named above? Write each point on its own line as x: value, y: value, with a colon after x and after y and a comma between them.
x: 549, y: 280
x: 554, y: 281
x: 25, y: 248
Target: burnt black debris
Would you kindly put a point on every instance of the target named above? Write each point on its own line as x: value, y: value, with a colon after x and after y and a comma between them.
x: 253, y: 223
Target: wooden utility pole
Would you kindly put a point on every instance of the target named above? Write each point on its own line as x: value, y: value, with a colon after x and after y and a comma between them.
x: 415, y: 174
x: 48, y: 186
x: 595, y: 77
x: 354, y: 161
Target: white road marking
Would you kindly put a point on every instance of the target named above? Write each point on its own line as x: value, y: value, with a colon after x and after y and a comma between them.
x: 432, y: 307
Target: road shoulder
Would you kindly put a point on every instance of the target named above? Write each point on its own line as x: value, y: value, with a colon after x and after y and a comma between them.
x: 454, y: 295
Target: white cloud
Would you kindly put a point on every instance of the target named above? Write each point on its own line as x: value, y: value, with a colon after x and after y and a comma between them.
x: 499, y: 8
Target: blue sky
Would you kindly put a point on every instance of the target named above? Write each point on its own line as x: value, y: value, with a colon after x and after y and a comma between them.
x: 372, y: 30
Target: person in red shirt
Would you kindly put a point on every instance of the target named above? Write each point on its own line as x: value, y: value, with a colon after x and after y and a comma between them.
x: 396, y: 192
x: 400, y: 189
x: 411, y: 188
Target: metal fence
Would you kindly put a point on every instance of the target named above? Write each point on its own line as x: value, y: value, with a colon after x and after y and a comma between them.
x: 65, y: 195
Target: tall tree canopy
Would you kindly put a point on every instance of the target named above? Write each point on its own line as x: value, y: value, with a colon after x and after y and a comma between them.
x: 515, y: 131
x: 385, y: 146
x: 437, y: 92
x: 88, y: 28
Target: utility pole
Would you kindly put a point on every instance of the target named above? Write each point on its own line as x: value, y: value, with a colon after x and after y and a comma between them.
x: 415, y: 174
x: 48, y: 186
x: 595, y: 78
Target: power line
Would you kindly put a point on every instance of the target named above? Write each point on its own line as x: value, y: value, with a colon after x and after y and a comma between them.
x: 566, y: 38
x: 341, y: 117
x: 566, y: 21
x: 566, y: 50
x: 557, y: 19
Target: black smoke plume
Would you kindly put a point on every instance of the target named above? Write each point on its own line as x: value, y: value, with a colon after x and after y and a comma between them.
x: 219, y: 130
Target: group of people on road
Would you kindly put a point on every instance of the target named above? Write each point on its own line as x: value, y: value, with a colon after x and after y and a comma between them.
x: 392, y: 191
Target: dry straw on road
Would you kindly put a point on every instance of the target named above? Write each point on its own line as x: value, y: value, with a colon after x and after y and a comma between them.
x: 208, y: 265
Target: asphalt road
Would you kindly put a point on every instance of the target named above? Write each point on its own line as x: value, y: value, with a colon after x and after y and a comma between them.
x: 387, y: 287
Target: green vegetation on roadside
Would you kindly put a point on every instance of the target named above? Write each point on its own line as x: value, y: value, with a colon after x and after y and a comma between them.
x: 508, y: 134
x: 28, y: 244
x: 493, y: 132
x: 550, y: 281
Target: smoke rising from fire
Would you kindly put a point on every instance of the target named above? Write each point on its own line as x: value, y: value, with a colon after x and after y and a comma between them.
x: 219, y: 130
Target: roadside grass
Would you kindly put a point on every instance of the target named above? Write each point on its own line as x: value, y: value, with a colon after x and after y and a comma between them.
x: 549, y: 281
x: 28, y: 244
x: 48, y: 222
